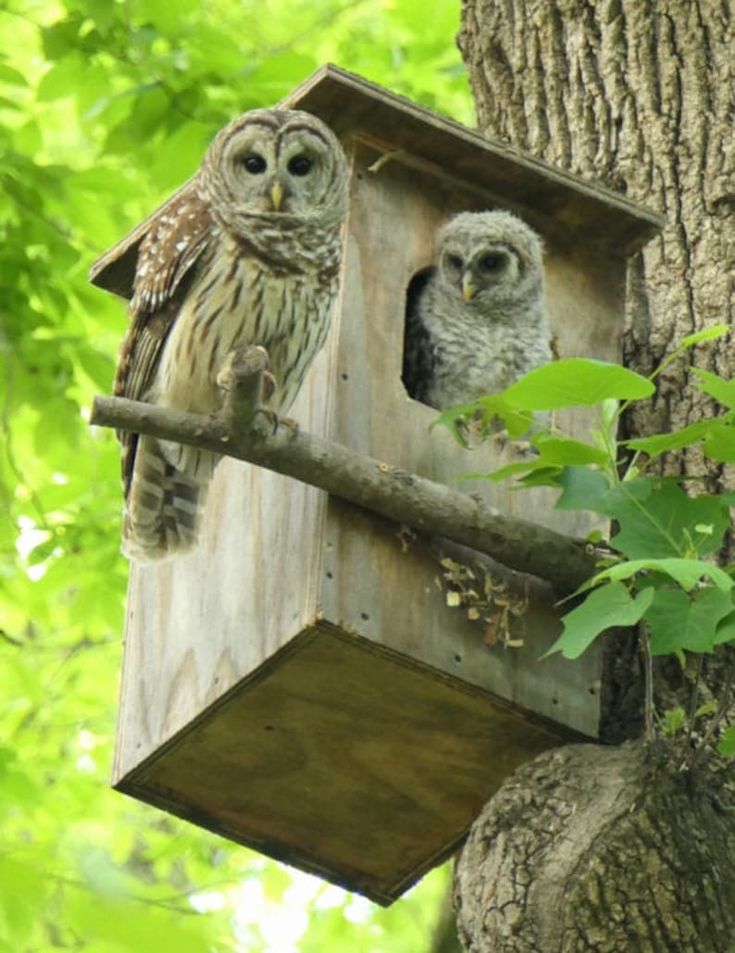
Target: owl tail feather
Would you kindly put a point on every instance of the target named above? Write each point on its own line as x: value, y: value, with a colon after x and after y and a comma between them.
x: 164, y: 505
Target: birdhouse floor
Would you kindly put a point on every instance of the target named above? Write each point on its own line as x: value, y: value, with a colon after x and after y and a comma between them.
x: 345, y: 759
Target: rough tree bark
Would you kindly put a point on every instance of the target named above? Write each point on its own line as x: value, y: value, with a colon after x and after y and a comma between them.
x: 638, y: 95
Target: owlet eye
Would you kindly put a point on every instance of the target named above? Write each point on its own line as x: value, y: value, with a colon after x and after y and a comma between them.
x: 300, y: 165
x: 454, y: 262
x: 254, y: 163
x: 490, y: 262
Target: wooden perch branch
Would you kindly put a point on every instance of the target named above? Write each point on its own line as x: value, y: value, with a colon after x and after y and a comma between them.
x: 245, y: 430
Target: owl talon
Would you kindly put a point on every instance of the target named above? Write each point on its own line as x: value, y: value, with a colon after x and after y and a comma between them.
x: 269, y: 386
x: 267, y: 425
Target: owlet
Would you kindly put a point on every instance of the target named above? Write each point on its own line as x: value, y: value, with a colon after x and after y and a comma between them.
x: 476, y: 321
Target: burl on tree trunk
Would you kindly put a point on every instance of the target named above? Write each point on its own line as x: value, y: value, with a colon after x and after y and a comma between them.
x: 601, y: 849
x: 615, y: 849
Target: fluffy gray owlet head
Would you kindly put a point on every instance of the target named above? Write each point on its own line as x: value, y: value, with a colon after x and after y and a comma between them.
x: 489, y: 258
x: 272, y: 165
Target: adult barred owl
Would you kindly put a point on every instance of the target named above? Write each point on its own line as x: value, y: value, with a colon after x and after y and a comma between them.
x: 247, y: 253
x: 476, y: 321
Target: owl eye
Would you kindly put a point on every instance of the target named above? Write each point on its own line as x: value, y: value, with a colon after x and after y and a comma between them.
x: 300, y: 165
x: 254, y: 163
x: 455, y: 262
x: 490, y: 262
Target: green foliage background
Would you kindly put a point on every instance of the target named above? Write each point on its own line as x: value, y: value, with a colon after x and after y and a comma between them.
x: 106, y: 107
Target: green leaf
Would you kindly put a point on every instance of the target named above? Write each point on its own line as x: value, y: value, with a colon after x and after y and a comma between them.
x: 720, y: 444
x: 563, y: 451
x: 709, y: 334
x: 576, y: 382
x: 662, y: 522
x: 685, y: 572
x: 12, y: 76
x: 540, y: 476
x: 135, y: 927
x: 660, y: 443
x: 674, y: 720
x: 453, y: 419
x: 61, y: 80
x: 22, y: 890
x: 726, y: 744
x: 717, y: 387
x: 167, y: 17
x: 482, y: 414
x: 583, y: 489
x: 506, y: 472
x: 681, y: 622
x: 725, y: 629
x: 62, y: 37
x: 602, y: 609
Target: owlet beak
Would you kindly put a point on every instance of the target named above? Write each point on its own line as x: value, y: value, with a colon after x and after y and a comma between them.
x: 468, y: 289
x: 277, y: 195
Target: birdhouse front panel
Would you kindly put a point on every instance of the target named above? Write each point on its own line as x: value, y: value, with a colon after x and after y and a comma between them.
x: 316, y: 681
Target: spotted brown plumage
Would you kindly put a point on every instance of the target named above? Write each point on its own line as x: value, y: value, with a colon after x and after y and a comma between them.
x: 248, y: 253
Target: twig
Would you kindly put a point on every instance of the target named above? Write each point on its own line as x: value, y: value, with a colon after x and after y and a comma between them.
x: 722, y: 710
x: 648, y: 682
x: 694, y: 697
x: 428, y: 507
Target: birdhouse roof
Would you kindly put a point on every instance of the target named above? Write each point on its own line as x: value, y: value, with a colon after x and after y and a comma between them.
x: 554, y: 201
x: 573, y: 206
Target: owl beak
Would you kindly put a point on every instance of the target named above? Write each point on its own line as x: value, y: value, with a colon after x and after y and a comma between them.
x: 276, y: 195
x: 468, y: 289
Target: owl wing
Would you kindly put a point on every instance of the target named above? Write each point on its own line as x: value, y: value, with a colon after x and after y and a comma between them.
x: 168, y: 254
x: 418, y: 347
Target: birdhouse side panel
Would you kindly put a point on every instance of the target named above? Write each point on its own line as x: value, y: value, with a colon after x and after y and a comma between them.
x: 383, y: 583
x: 200, y: 623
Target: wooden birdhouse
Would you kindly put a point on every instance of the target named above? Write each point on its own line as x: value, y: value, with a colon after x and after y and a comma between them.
x: 299, y: 683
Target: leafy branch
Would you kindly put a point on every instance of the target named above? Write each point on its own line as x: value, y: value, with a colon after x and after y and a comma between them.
x: 660, y: 574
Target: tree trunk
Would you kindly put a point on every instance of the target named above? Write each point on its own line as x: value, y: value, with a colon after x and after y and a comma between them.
x: 638, y: 95
x: 600, y: 849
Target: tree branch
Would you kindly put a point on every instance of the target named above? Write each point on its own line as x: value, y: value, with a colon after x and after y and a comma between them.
x: 428, y: 507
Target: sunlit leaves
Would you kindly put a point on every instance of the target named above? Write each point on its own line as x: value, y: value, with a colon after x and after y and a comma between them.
x: 576, y: 382
x: 107, y: 107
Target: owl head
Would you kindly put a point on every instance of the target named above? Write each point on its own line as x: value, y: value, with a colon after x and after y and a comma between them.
x: 278, y: 165
x: 487, y: 258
